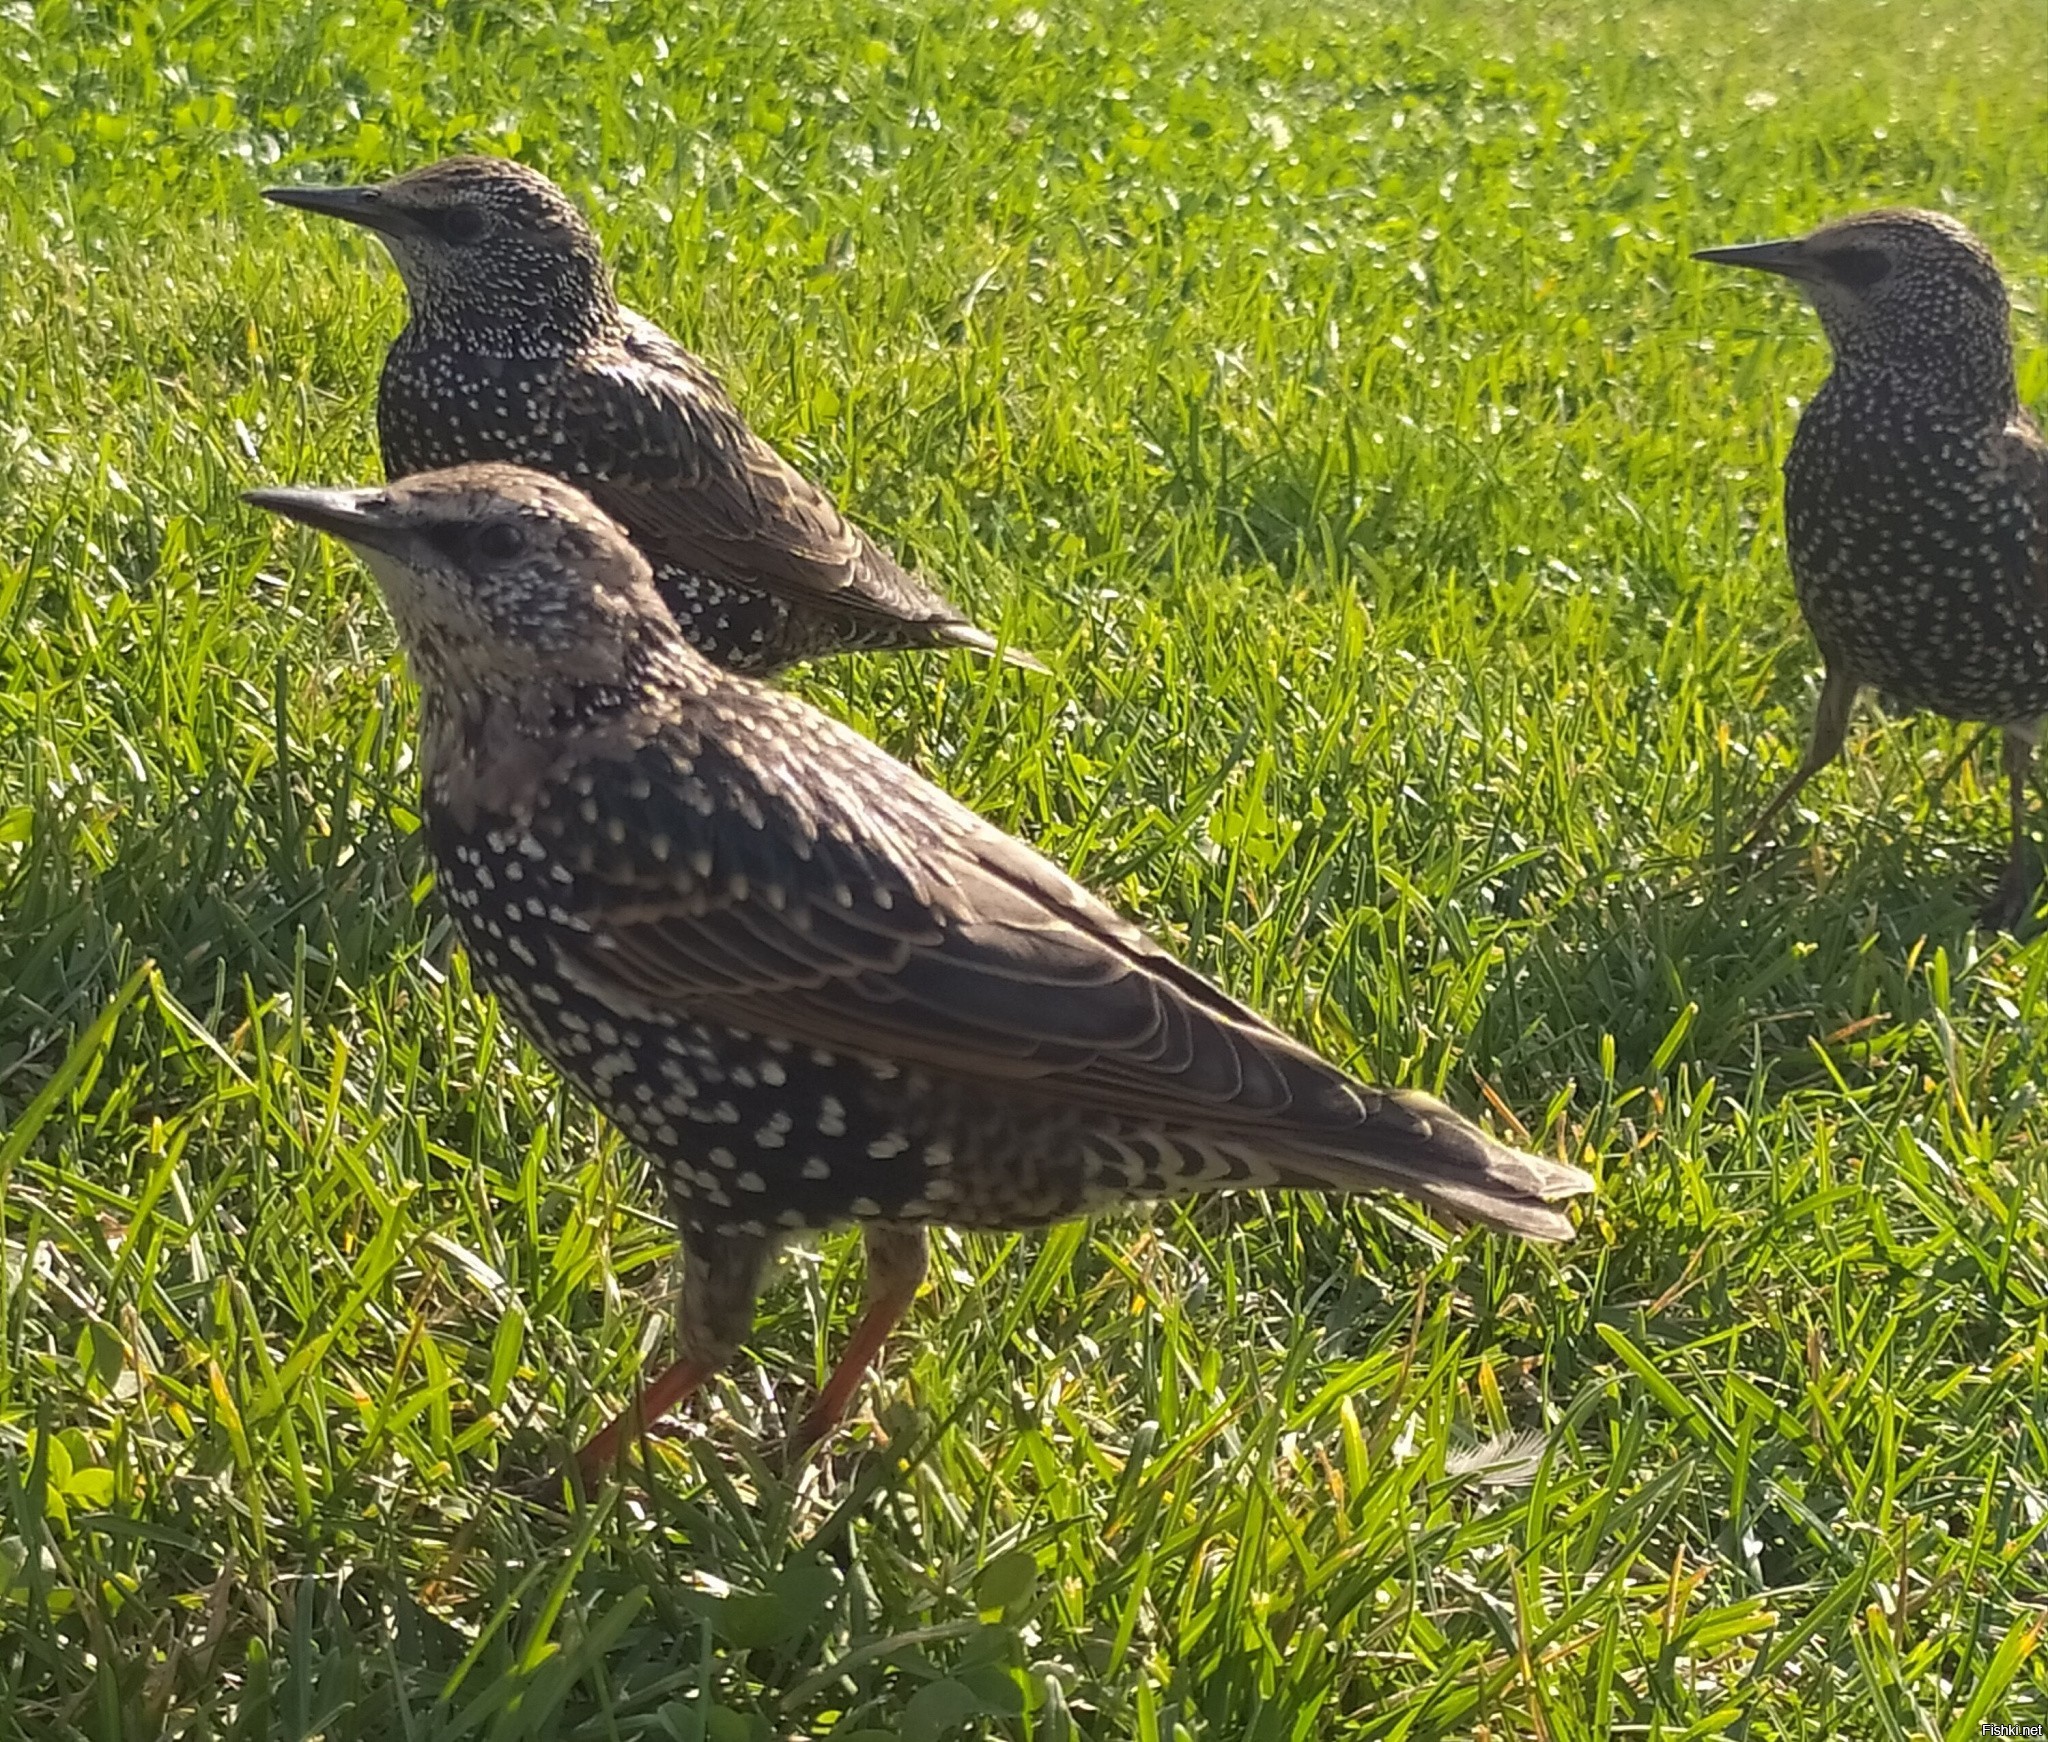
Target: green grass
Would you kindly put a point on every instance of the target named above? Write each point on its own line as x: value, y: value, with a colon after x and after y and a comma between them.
x: 1326, y: 393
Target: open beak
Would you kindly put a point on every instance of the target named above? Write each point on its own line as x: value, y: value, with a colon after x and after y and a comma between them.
x: 1786, y: 259
x: 356, y: 205
x: 357, y: 517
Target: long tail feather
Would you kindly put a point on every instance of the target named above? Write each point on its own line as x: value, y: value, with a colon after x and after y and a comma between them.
x: 981, y: 641
x: 1418, y: 1146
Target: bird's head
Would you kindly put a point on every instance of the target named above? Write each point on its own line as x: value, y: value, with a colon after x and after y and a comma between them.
x: 489, y: 250
x: 1904, y: 290
x: 507, y: 586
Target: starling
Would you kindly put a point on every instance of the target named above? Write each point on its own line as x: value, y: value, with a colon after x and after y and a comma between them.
x: 808, y: 984
x: 517, y: 350
x: 1916, y: 494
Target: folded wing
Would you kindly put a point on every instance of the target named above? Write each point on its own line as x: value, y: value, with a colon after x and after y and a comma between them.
x: 697, y: 488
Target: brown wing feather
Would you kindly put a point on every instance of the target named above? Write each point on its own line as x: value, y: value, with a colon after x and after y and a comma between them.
x: 697, y: 488
x: 908, y: 928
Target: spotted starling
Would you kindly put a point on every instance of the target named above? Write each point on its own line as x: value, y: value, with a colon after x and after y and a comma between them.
x: 809, y: 984
x: 1916, y: 494
x: 517, y: 350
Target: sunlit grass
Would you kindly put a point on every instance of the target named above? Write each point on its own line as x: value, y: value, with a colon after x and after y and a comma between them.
x: 1327, y: 395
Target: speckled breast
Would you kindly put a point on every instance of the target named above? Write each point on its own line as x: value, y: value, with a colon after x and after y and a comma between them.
x: 448, y: 408
x: 1909, y: 568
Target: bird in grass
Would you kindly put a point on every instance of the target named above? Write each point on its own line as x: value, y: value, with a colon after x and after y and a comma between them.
x: 808, y: 984
x: 1916, y: 495
x: 516, y: 349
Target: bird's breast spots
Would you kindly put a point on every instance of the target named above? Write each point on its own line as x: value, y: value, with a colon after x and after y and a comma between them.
x: 608, y: 1065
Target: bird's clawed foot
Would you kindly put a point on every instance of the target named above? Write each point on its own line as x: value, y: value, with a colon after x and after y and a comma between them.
x: 1760, y: 840
x: 2012, y: 900
x: 1762, y: 837
x: 602, y: 1456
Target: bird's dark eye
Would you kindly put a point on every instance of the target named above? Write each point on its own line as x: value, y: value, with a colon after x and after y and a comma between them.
x: 500, y: 540
x: 1858, y: 268
x: 461, y: 224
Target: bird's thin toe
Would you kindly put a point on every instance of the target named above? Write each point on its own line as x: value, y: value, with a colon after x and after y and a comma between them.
x: 2011, y: 904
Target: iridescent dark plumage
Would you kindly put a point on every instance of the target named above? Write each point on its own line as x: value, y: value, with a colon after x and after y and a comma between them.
x: 517, y: 350
x: 1916, y: 494
x: 802, y: 978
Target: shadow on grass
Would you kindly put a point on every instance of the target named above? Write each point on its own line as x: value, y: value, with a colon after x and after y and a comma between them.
x: 1741, y: 963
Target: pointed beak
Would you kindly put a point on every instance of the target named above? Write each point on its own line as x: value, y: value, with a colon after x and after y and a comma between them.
x: 1786, y: 259
x: 361, y: 519
x: 358, y: 205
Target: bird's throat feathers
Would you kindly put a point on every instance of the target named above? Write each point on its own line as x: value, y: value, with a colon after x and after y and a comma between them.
x: 561, y: 307
x: 487, y: 757
x: 1959, y: 366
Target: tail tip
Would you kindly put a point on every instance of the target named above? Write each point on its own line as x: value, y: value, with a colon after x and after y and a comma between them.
x: 1513, y: 1191
x: 978, y: 640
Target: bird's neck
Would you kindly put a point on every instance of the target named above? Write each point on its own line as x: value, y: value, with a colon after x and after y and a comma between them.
x: 470, y: 708
x: 487, y: 755
x: 511, y: 325
x: 1968, y: 378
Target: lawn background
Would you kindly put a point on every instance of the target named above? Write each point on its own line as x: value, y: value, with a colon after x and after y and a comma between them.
x: 1326, y: 393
